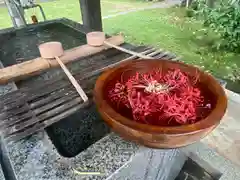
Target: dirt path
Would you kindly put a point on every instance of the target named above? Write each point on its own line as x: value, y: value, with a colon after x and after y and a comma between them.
x: 163, y: 4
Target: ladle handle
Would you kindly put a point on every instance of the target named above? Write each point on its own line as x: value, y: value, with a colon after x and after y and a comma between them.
x: 127, y: 51
x: 73, y: 80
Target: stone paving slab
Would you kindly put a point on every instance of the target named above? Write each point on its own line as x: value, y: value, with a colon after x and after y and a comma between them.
x: 225, y: 139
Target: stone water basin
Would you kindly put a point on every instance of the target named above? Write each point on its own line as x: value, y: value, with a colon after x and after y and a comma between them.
x: 77, y: 132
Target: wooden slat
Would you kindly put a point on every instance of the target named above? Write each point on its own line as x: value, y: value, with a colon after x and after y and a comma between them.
x: 51, y: 97
x: 15, y: 112
x: 40, y: 126
x: 16, y: 119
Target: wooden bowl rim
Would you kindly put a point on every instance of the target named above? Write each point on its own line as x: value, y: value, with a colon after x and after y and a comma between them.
x: 213, y: 119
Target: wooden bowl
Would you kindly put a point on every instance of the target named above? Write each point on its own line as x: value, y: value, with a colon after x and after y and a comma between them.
x: 159, y: 136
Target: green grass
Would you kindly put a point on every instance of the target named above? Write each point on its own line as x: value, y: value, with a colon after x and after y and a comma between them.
x: 164, y: 28
x: 170, y: 30
x: 71, y: 10
x: 58, y: 9
x: 5, y: 20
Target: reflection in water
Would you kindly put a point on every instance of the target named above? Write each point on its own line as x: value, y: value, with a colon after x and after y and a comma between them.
x: 23, y: 44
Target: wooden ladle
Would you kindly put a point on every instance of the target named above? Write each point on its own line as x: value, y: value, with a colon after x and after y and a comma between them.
x: 97, y: 38
x: 53, y: 50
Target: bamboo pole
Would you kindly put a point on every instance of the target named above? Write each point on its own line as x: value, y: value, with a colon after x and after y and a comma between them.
x: 36, y: 66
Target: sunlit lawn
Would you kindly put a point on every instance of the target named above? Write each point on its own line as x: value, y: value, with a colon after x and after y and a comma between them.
x: 71, y: 9
x: 164, y: 28
x: 171, y: 30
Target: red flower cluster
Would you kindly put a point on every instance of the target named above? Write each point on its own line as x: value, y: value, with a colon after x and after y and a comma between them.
x: 159, y: 98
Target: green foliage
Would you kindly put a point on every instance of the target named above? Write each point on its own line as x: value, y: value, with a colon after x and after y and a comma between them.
x: 224, y: 20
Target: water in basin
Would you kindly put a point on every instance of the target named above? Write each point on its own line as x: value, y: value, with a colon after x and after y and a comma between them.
x: 21, y: 45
